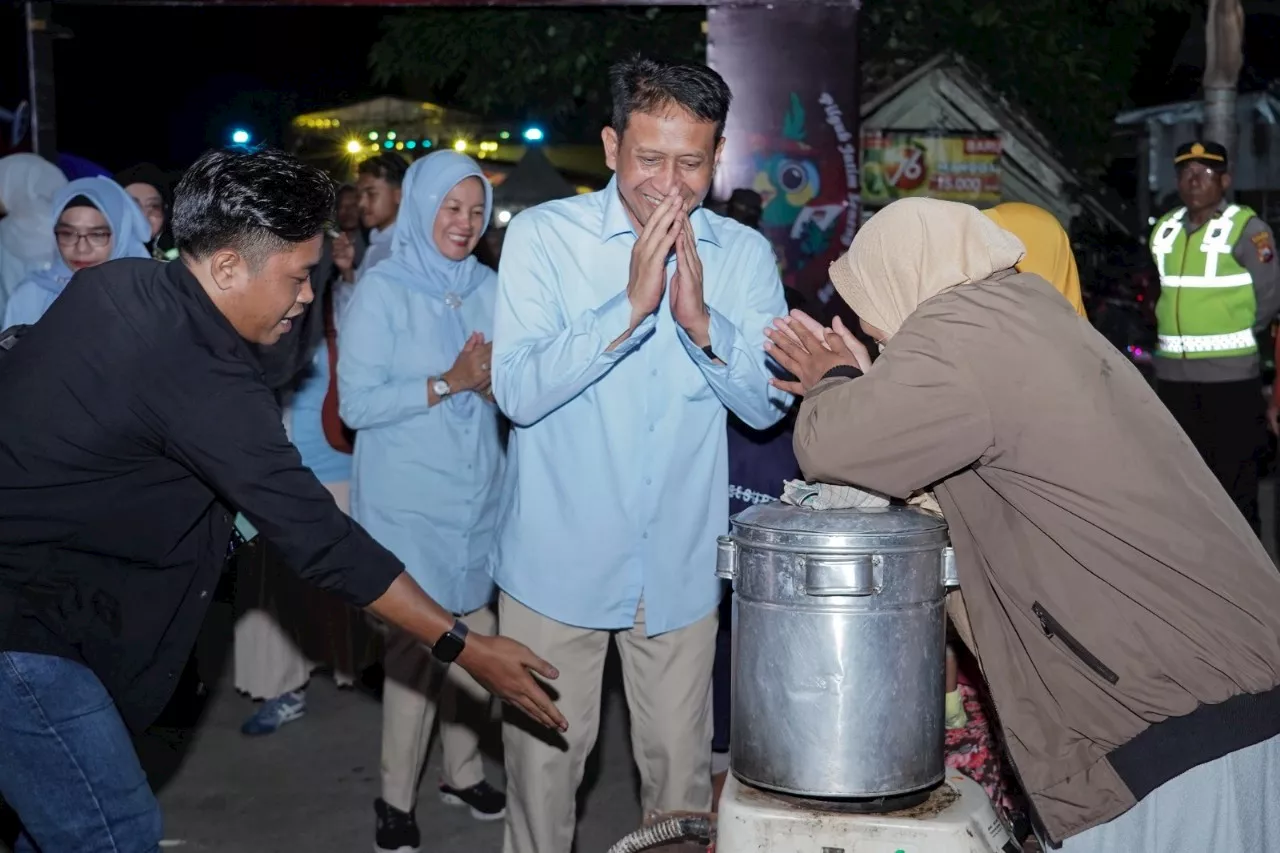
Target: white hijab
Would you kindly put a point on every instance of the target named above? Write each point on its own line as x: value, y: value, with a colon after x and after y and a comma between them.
x: 27, y: 186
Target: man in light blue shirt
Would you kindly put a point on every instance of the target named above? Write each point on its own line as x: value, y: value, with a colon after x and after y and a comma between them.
x: 627, y: 322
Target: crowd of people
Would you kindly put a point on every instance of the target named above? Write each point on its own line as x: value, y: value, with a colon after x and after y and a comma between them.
x: 484, y: 478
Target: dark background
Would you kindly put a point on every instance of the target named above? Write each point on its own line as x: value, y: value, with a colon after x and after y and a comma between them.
x: 162, y: 83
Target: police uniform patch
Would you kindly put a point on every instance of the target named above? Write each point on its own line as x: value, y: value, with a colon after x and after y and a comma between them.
x: 1266, y: 251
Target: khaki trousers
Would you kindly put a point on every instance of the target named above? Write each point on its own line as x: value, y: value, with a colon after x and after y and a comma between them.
x: 668, y: 687
x: 416, y: 683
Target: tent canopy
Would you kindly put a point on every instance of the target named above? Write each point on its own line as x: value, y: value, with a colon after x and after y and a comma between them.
x: 533, y: 181
x: 386, y: 110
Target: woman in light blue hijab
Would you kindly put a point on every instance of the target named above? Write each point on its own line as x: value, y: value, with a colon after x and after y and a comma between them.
x: 413, y: 381
x: 95, y: 221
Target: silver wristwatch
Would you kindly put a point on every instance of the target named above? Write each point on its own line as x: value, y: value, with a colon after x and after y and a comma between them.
x: 441, y: 388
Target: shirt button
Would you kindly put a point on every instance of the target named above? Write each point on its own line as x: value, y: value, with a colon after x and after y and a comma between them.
x: 652, y: 427
x: 169, y: 676
x: 468, y: 467
x: 655, y: 373
x: 644, y: 535
x: 648, y: 481
x: 204, y: 593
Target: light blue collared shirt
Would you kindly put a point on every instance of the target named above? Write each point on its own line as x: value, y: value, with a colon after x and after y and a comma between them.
x: 621, y: 473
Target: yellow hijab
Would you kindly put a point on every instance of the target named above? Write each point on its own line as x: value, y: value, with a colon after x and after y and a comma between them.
x: 915, y: 249
x: 1049, y: 252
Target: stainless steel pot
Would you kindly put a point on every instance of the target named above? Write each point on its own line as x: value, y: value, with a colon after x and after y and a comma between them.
x: 838, y: 648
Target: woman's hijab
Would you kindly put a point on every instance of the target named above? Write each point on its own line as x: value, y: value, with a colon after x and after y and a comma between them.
x: 915, y: 249
x: 129, y: 228
x: 415, y: 256
x: 1048, y: 248
x: 416, y: 261
x: 27, y: 187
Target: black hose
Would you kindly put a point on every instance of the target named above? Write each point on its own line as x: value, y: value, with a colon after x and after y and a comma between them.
x: 667, y: 832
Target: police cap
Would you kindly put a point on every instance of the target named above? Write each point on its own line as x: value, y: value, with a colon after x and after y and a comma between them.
x: 1207, y: 153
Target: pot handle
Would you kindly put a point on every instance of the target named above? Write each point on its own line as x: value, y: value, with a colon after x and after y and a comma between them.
x: 726, y: 558
x: 950, y: 578
x: 855, y: 576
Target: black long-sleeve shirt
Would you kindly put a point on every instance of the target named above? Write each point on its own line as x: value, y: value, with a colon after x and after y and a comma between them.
x: 135, y: 421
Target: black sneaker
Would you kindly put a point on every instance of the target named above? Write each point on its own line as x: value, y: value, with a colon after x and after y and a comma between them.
x: 486, y: 801
x: 397, y: 831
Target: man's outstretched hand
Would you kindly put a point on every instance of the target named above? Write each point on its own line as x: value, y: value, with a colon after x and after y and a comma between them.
x: 502, y: 666
x: 505, y: 668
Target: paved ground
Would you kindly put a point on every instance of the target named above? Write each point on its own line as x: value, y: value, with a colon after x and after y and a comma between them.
x: 310, y: 787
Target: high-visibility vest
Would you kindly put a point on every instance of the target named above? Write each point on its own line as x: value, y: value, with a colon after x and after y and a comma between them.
x: 1207, y: 307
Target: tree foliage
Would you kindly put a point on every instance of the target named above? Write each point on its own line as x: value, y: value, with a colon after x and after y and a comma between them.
x: 1070, y: 65
x: 544, y: 64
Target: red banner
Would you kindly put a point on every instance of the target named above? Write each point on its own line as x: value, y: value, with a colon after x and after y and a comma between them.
x: 792, y: 133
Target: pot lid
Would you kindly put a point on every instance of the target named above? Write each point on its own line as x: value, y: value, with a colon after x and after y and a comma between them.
x: 894, y: 527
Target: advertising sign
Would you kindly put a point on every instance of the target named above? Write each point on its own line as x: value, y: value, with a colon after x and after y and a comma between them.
x: 951, y: 166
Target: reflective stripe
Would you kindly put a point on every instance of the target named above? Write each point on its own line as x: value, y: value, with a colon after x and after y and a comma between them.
x: 1243, y: 279
x: 1208, y: 343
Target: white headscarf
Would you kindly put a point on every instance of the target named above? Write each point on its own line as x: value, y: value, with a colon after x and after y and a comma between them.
x: 27, y: 187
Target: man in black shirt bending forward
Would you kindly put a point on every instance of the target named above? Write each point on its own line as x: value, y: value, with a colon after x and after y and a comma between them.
x: 136, y: 423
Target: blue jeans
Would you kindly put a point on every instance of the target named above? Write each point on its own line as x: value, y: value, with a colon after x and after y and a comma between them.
x: 67, y: 764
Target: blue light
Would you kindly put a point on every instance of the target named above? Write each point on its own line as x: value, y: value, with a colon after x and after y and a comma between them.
x: 533, y: 134
x: 240, y: 136
x: 426, y: 143
x: 411, y: 144
x: 388, y: 144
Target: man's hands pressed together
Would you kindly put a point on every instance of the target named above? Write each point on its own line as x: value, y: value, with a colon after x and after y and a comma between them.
x: 687, y: 304
x: 648, y: 277
x: 668, y: 228
x: 809, y: 351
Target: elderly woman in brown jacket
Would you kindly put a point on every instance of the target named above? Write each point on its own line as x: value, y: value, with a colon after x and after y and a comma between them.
x: 1124, y: 614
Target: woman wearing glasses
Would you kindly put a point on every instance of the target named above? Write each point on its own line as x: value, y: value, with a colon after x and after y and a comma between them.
x: 96, y: 222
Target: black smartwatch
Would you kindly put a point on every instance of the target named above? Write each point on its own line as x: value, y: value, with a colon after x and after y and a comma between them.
x: 449, y: 646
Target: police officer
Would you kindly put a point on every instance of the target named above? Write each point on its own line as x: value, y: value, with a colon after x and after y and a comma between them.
x: 1219, y: 287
